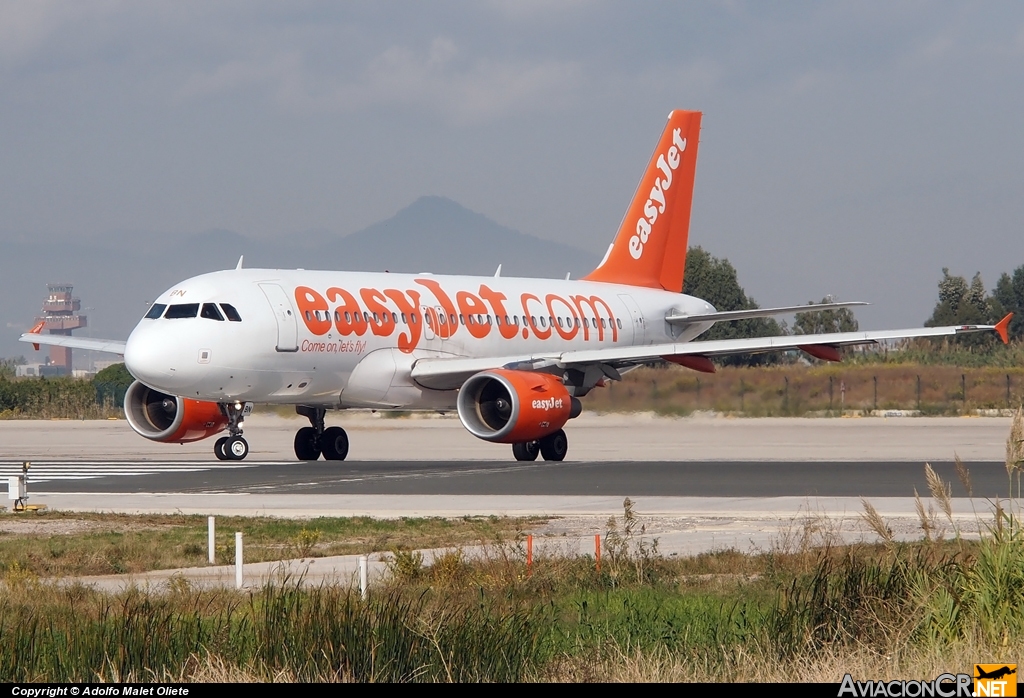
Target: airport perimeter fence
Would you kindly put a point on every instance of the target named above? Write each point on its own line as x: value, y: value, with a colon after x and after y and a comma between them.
x: 800, y: 391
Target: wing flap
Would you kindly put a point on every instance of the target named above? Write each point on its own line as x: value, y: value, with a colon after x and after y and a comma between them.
x: 726, y: 315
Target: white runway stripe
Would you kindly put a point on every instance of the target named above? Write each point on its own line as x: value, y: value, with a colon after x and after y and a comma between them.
x: 42, y: 471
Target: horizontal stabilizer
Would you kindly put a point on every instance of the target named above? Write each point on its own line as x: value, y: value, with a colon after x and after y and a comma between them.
x: 726, y: 315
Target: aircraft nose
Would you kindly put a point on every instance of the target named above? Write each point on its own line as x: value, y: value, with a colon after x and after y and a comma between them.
x: 155, y: 359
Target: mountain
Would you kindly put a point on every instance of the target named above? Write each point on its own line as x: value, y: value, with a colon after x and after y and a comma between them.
x: 118, y: 274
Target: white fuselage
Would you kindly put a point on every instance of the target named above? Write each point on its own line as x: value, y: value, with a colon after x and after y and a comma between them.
x: 350, y: 339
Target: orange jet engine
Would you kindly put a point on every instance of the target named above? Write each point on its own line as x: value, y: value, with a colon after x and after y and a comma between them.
x: 169, y: 418
x: 507, y: 406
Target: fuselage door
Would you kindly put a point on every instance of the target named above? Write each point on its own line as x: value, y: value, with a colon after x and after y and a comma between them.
x: 636, y: 319
x: 287, y: 327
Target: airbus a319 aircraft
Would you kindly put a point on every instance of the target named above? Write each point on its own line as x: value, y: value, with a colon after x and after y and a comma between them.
x: 512, y: 356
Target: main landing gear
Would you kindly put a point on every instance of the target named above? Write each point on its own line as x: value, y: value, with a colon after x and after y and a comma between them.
x: 233, y: 446
x: 314, y: 440
x: 552, y: 447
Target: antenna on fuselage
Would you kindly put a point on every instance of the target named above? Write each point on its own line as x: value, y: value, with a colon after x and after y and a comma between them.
x: 239, y: 265
x: 567, y: 274
x: 497, y: 273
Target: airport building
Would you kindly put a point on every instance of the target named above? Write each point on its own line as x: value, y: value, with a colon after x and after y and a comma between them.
x: 60, y: 316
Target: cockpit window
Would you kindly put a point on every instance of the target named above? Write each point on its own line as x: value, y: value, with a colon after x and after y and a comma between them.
x: 210, y: 312
x: 185, y: 310
x: 156, y: 310
x: 230, y: 311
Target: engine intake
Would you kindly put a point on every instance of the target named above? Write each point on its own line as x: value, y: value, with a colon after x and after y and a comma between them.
x: 169, y: 418
x: 508, y: 406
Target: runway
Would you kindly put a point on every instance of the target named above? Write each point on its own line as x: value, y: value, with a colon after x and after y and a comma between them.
x: 511, y: 479
x: 699, y: 483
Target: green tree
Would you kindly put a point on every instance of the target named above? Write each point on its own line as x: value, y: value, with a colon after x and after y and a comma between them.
x: 1008, y: 297
x: 8, y: 367
x: 961, y: 303
x: 824, y: 321
x: 111, y: 384
x: 715, y: 281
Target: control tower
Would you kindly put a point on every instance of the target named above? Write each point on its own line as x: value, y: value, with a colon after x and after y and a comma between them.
x: 60, y: 315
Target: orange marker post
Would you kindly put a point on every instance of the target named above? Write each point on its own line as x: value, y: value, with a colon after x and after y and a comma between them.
x: 529, y: 554
x: 597, y: 551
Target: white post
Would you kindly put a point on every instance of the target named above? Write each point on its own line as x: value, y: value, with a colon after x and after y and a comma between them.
x: 362, y: 576
x: 238, y: 560
x: 210, y: 540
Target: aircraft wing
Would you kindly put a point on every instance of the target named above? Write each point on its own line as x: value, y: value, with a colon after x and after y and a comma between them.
x: 448, y: 374
x: 110, y: 346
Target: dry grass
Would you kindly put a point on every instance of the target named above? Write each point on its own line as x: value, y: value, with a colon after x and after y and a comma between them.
x: 766, y: 392
x: 53, y: 543
x: 750, y: 665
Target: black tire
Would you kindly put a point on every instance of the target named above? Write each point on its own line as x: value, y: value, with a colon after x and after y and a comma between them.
x: 236, y: 448
x: 526, y: 450
x: 554, y: 446
x: 218, y: 449
x: 307, y: 447
x: 334, y: 443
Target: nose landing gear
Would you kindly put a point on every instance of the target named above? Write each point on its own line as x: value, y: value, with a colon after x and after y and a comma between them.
x: 314, y: 440
x: 234, y: 446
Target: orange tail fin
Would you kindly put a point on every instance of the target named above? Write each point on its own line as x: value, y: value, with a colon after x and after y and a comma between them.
x: 650, y: 247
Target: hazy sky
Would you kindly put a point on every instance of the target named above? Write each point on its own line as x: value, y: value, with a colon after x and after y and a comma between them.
x: 852, y: 148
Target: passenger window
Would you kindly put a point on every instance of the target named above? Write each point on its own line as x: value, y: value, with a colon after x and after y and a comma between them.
x: 618, y: 322
x: 488, y: 319
x: 413, y: 317
x: 210, y: 312
x: 452, y: 318
x: 156, y: 310
x: 442, y: 318
x: 560, y: 322
x: 404, y: 320
x: 376, y: 318
x: 309, y: 317
x: 603, y: 324
x: 394, y: 318
x: 426, y: 319
x: 543, y: 321
x: 366, y: 317
x: 497, y: 320
x: 471, y: 321
x: 185, y: 310
x: 348, y: 317
x: 533, y: 320
x: 230, y: 311
x: 462, y: 319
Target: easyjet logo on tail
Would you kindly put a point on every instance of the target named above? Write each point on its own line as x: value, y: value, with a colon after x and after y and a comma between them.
x: 655, y: 206
x: 649, y: 249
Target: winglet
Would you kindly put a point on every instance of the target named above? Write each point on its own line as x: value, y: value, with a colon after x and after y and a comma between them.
x: 1003, y: 328
x: 36, y: 330
x: 241, y: 258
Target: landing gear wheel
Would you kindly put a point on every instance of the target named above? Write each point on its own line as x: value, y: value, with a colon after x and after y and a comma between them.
x: 307, y: 446
x: 236, y: 448
x: 526, y: 450
x: 334, y: 443
x: 218, y: 449
x: 554, y: 446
